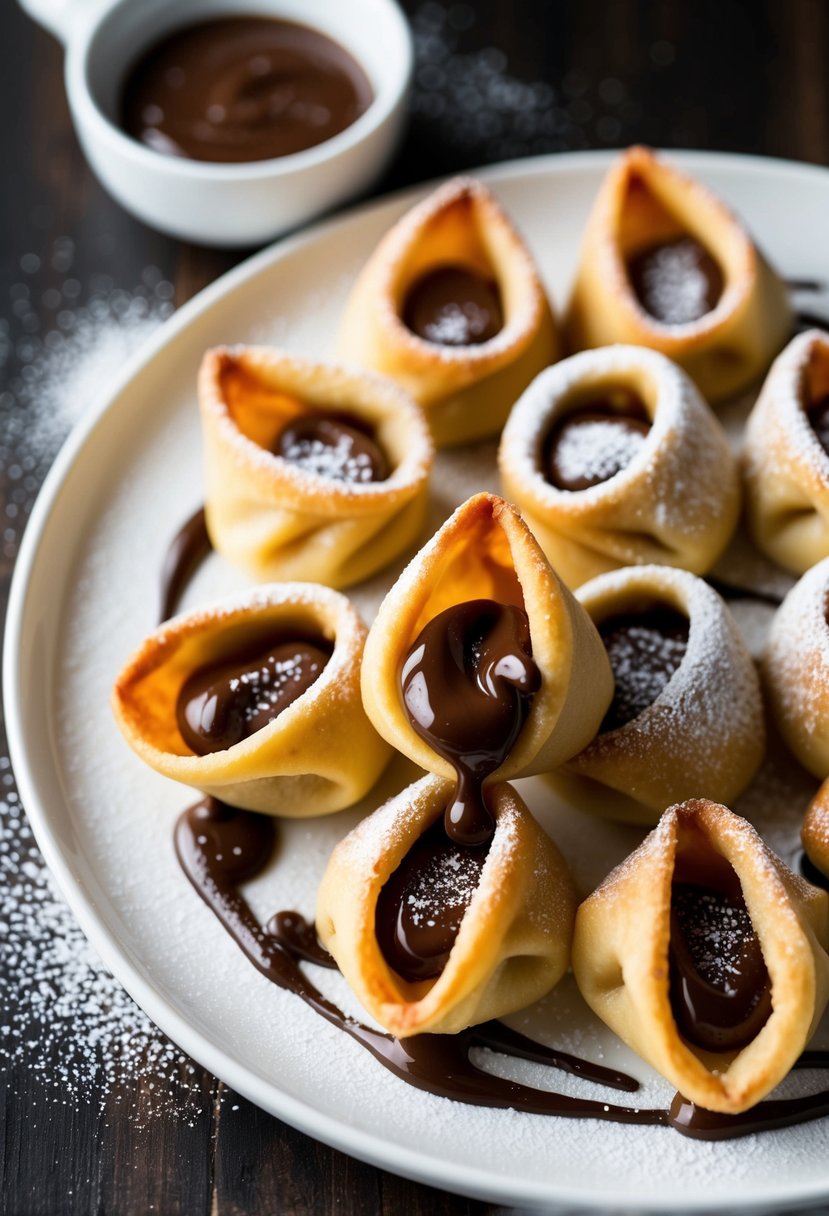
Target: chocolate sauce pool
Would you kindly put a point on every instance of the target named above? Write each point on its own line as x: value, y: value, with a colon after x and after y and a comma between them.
x: 237, y: 89
x: 467, y: 686
x: 220, y: 847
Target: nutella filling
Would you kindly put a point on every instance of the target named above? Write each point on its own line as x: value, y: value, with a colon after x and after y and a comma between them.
x: 224, y: 703
x: 422, y: 904
x: 337, y: 446
x: 594, y: 442
x: 236, y: 89
x: 720, y: 988
x: 467, y: 686
x: 220, y: 847
x: 644, y: 649
x: 454, y: 306
x: 677, y: 281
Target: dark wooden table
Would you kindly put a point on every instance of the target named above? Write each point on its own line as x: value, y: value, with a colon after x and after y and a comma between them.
x: 744, y: 76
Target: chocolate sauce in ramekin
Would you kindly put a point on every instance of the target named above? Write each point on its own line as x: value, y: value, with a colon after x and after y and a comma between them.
x: 238, y: 89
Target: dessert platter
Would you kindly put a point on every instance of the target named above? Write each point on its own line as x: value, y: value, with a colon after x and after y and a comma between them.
x: 463, y: 615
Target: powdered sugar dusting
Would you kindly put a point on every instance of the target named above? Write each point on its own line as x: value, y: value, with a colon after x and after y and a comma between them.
x: 596, y: 449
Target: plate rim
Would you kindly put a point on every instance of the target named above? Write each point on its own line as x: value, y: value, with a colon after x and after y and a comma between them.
x: 416, y: 1165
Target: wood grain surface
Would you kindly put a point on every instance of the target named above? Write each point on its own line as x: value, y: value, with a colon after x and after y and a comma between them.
x: 714, y: 74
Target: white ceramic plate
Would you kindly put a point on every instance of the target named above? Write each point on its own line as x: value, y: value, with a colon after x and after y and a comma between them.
x: 85, y: 594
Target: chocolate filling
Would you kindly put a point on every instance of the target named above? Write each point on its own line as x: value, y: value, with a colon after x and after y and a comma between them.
x: 676, y: 281
x: 594, y: 442
x: 454, y: 306
x: 644, y: 649
x: 333, y: 445
x: 467, y: 686
x: 223, y: 703
x: 422, y: 904
x: 236, y: 89
x: 719, y: 984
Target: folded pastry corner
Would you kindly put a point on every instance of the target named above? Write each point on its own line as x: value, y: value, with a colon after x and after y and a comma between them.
x: 451, y: 306
x: 796, y: 669
x: 707, y: 956
x: 665, y: 264
x: 786, y: 456
x: 484, y: 564
x: 313, y: 470
x: 435, y: 938
x: 815, y: 832
x: 616, y: 460
x: 256, y: 700
x: 686, y: 717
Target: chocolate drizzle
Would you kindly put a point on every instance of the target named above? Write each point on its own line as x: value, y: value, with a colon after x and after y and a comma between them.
x: 676, y: 282
x: 237, y: 89
x: 337, y: 446
x: 188, y: 549
x: 454, y: 306
x: 224, y: 703
x: 467, y: 685
x: 220, y: 847
x: 644, y: 649
x: 720, y: 987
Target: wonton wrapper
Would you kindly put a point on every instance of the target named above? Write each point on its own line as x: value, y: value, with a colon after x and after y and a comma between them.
x: 642, y: 201
x: 676, y: 503
x: 702, y: 736
x: 465, y: 391
x: 815, y: 831
x: 796, y: 669
x: 319, y: 754
x: 280, y: 521
x: 620, y: 956
x: 513, y: 944
x: 786, y: 469
x: 486, y: 551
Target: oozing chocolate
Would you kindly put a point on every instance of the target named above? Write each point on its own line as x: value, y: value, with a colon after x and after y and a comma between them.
x: 422, y: 904
x: 333, y: 445
x: 219, y: 848
x: 188, y: 549
x: 467, y: 685
x: 223, y: 703
x: 644, y: 649
x: 235, y: 89
x: 676, y: 281
x: 594, y: 443
x: 719, y: 984
x: 454, y: 306
x: 818, y: 415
